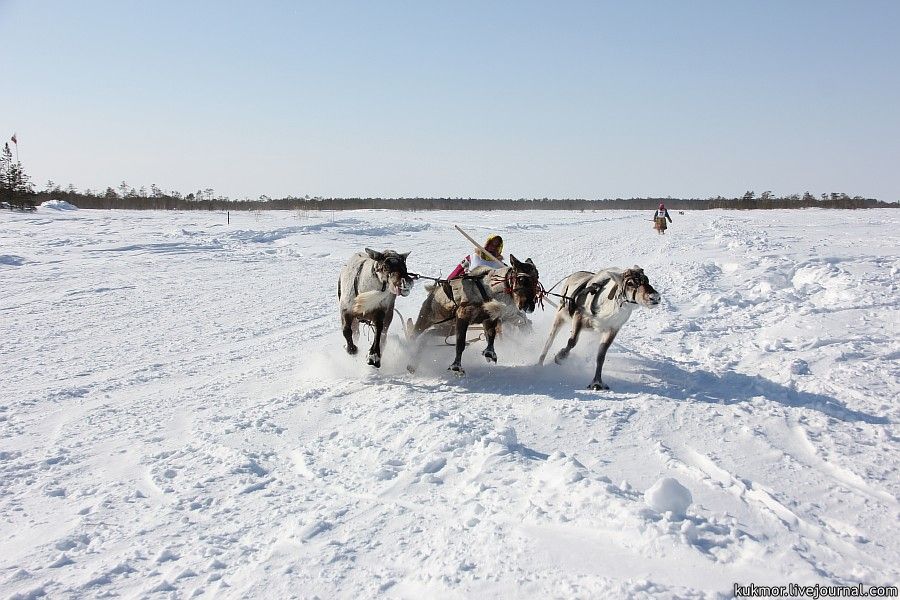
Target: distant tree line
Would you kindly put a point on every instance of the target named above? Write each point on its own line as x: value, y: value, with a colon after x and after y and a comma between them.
x: 126, y: 197
x: 17, y: 192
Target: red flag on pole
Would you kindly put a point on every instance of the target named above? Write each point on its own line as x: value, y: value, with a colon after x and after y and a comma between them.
x: 14, y: 140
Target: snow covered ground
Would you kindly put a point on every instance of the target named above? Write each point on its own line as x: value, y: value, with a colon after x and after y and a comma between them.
x: 178, y: 417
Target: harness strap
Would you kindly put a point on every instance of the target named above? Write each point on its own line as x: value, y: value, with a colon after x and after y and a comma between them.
x: 359, y: 272
x: 574, y: 297
x: 480, y: 285
x: 507, y: 278
x: 450, y: 318
x: 553, y: 287
x: 624, y: 298
x: 356, y: 279
x: 501, y: 279
x: 595, y: 289
x: 383, y: 283
x: 419, y: 276
x: 583, y: 291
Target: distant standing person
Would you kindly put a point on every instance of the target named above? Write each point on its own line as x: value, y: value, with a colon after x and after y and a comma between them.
x: 659, y: 219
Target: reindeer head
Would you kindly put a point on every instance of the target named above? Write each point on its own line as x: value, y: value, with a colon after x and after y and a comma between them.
x: 522, y: 281
x: 636, y: 288
x: 390, y: 267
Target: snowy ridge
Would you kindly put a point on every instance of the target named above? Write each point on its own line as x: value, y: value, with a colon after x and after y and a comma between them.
x: 178, y: 418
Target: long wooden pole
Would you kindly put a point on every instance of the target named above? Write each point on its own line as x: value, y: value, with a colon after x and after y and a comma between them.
x: 477, y: 245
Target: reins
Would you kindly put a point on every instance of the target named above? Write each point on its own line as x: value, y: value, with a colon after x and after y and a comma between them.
x: 418, y: 276
x: 540, y: 291
x: 506, y: 279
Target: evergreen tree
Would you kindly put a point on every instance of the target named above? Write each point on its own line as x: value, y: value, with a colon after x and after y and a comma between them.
x: 15, y: 185
x: 5, y: 187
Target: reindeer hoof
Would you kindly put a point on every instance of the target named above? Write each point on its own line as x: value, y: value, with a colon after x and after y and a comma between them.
x: 597, y: 386
x: 457, y: 370
x: 351, y: 350
x: 490, y: 355
x: 560, y: 357
x: 374, y: 360
x: 410, y: 369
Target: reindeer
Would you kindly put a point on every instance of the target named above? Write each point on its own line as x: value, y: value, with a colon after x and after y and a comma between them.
x: 367, y: 289
x: 486, y: 296
x: 603, y: 302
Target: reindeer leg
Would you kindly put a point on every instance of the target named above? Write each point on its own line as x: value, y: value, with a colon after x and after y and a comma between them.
x: 557, y: 324
x: 417, y: 341
x: 374, y: 357
x: 605, y: 343
x: 416, y: 351
x: 414, y: 332
x: 347, y: 325
x: 573, y: 339
x: 388, y: 318
x: 462, y: 327
x: 490, y: 332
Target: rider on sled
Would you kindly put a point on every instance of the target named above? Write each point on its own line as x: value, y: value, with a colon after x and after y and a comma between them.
x: 482, y: 258
x: 493, y: 248
x: 493, y: 245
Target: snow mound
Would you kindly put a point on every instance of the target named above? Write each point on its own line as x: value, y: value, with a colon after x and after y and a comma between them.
x: 668, y: 495
x: 58, y: 205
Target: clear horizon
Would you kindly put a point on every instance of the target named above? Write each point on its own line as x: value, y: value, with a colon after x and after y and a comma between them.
x: 506, y: 100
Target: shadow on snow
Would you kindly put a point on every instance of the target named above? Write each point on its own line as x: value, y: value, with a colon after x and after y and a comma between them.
x: 519, y: 376
x: 665, y: 379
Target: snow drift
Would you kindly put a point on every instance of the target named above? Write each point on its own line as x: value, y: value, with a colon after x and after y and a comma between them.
x: 178, y: 417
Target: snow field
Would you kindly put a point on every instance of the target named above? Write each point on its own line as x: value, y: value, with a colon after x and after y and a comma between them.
x: 178, y: 418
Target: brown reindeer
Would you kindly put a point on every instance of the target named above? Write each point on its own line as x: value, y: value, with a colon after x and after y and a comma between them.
x: 367, y: 289
x: 486, y: 296
x: 603, y: 302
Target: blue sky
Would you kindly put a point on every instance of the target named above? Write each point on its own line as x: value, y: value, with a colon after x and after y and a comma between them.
x: 481, y: 99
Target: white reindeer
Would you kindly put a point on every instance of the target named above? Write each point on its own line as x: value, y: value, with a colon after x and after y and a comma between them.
x: 602, y: 302
x: 367, y: 289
